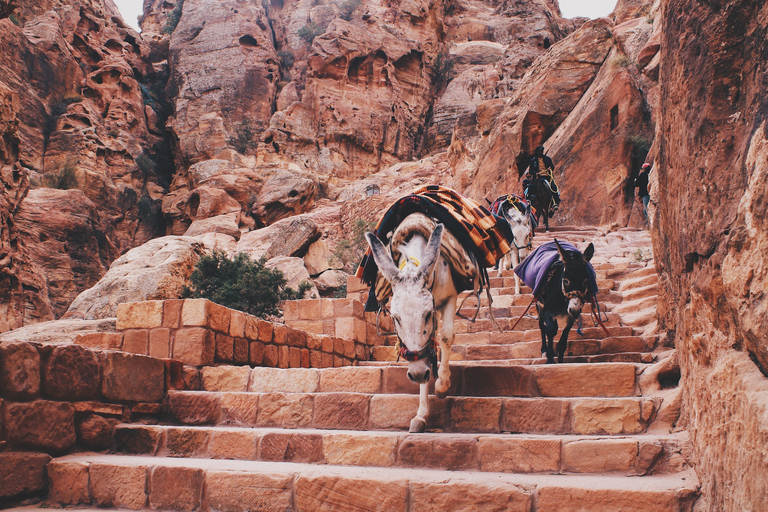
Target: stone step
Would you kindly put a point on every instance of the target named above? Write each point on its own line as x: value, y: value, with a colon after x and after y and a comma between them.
x: 652, y: 290
x: 462, y: 326
x: 367, y: 411
x: 467, y: 379
x: 507, y: 453
x: 522, y: 349
x: 177, y: 484
x: 532, y: 333
x: 638, y: 279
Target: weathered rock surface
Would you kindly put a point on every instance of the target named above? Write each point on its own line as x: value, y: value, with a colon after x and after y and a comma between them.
x: 711, y: 240
x: 156, y: 270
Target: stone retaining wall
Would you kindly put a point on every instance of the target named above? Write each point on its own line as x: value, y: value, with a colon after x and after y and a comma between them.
x: 199, y: 332
x: 57, y: 396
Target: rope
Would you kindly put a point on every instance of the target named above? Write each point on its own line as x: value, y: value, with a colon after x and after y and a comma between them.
x: 524, y: 313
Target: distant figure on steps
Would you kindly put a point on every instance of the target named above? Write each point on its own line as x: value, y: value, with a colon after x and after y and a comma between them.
x: 541, y: 167
x: 641, y: 184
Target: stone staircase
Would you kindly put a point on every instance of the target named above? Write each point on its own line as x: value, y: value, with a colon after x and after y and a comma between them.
x: 513, y: 434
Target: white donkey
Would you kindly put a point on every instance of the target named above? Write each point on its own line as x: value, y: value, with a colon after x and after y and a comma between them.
x: 422, y: 287
x: 521, y: 245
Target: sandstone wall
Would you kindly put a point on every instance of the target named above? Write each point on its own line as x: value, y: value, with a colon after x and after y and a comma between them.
x: 710, y: 237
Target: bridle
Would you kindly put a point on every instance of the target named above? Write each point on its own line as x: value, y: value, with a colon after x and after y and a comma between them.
x: 520, y: 248
x: 575, y: 294
x: 428, y: 351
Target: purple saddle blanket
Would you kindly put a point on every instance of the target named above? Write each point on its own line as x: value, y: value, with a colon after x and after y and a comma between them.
x: 533, y: 269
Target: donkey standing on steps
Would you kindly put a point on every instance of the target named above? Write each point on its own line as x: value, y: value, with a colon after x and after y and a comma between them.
x: 422, y: 288
x: 521, y: 225
x: 562, y: 282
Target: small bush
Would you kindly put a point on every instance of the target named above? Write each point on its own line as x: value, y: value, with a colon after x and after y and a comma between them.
x: 443, y: 70
x: 241, y: 284
x: 286, y: 59
x: 173, y: 17
x: 347, y: 7
x: 622, y: 61
x: 310, y: 31
x: 15, y: 20
x: 65, y: 179
x: 245, y: 138
x: 350, y: 250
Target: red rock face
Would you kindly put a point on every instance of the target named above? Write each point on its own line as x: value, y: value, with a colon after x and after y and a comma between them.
x: 710, y: 234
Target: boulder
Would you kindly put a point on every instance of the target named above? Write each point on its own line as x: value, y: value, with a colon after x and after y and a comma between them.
x: 72, y: 373
x: 317, y: 259
x: 154, y: 271
x: 19, y: 371
x: 23, y: 474
x: 226, y: 224
x: 285, y: 194
x: 43, y: 425
x: 288, y: 237
x: 294, y: 271
x: 330, y: 282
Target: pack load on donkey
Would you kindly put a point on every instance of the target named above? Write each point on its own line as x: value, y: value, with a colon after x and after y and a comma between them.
x: 427, y: 248
x: 520, y: 216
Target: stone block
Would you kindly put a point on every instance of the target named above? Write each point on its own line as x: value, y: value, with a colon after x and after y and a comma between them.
x: 138, y: 440
x: 239, y: 408
x: 220, y: 318
x: 394, y: 412
x: 327, y: 308
x: 439, y: 452
x: 225, y: 378
x: 270, y: 356
x: 315, y: 359
x: 283, y: 356
x: 606, y: 416
x: 139, y: 315
x: 574, y: 499
x: 359, y: 379
x: 233, y: 444
x: 255, y: 353
x: 338, y: 346
x: 172, y: 313
x: 498, y: 381
x: 348, y: 308
x: 41, y: 424
x: 237, y: 324
x: 234, y: 491
x: 599, y: 455
x: 291, y: 310
x: 314, y: 340
x: 304, y: 358
x: 95, y: 432
x: 536, y: 416
x: 176, y: 488
x: 350, y: 328
x: 598, y: 380
x: 102, y: 340
x: 326, y: 360
x: 296, y: 338
x: 294, y: 357
x: 469, y: 414
x: 460, y: 497
x: 194, y: 345
x: 160, y: 343
x: 241, y: 351
x: 308, y: 326
x: 22, y: 474
x: 118, y: 486
x: 136, y: 341
x: 329, y: 327
x: 251, y: 327
x: 349, y: 349
x: 276, y: 380
x: 285, y: 410
x: 68, y: 483
x: 310, y: 309
x: 514, y: 455
x: 279, y: 334
x: 71, y: 373
x: 121, y: 381
x: 199, y: 313
x: 19, y: 371
x: 291, y: 447
x: 327, y: 344
x: 265, y: 331
x: 194, y: 408
x: 225, y: 348
x: 332, y: 493
x: 341, y: 411
x: 187, y: 442
x: 360, y: 450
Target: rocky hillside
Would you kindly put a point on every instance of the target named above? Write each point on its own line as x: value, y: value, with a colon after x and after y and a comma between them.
x: 251, y: 113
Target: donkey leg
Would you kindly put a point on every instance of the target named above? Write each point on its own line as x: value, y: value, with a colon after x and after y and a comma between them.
x: 419, y: 423
x: 443, y: 382
x: 548, y: 326
x: 515, y: 262
x: 563, y: 343
x: 503, y: 264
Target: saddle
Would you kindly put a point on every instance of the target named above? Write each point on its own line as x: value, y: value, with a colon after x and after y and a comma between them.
x: 534, y: 269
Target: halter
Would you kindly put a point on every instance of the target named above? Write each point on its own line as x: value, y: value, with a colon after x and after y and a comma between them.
x: 428, y: 351
x: 575, y: 293
x: 519, y: 248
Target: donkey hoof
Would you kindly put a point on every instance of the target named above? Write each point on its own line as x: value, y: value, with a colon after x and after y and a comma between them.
x: 441, y: 394
x: 417, y: 426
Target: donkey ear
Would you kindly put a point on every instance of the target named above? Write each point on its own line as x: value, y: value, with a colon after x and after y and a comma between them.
x: 563, y: 254
x: 589, y: 252
x: 432, y: 250
x: 382, y: 258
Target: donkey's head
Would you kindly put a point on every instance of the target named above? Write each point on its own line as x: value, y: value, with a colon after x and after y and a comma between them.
x: 576, y: 278
x: 412, y: 305
x: 521, y: 229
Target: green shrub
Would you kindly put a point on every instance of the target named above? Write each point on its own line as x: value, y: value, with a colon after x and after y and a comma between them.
x: 15, y: 20
x: 244, y: 140
x: 350, y: 250
x: 443, y: 70
x: 241, y: 284
x: 65, y: 179
x: 621, y: 60
x: 173, y: 17
x: 310, y: 31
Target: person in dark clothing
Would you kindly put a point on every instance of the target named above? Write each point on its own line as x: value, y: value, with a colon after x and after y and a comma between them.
x: 641, y: 184
x: 541, y: 166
